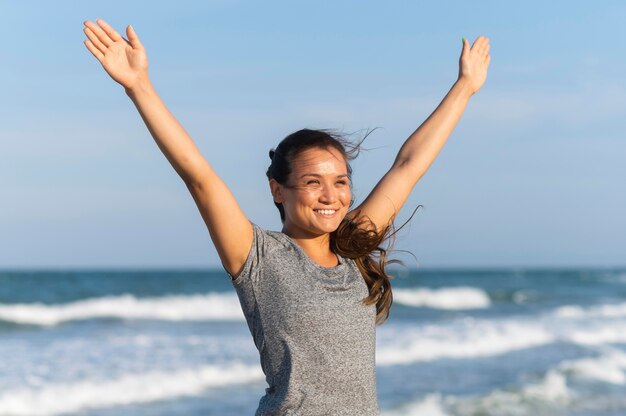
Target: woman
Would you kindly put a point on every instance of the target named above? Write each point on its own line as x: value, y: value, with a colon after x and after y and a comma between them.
x: 313, y: 293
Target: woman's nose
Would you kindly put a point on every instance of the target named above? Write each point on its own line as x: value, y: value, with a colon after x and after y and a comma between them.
x: 328, y: 195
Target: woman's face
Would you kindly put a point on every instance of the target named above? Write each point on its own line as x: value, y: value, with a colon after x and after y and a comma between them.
x: 317, y: 194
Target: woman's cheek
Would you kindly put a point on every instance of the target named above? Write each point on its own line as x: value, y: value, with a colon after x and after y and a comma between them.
x: 346, y: 194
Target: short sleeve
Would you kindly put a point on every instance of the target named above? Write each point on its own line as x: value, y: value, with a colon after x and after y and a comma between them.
x: 251, y: 267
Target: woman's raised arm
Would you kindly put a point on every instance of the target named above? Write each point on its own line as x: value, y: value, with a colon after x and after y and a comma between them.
x: 421, y: 148
x: 127, y: 63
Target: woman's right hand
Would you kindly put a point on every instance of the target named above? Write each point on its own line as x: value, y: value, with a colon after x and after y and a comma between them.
x: 124, y: 60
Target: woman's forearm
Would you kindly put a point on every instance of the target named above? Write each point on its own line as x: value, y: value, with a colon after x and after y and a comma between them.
x: 168, y: 133
x: 421, y: 148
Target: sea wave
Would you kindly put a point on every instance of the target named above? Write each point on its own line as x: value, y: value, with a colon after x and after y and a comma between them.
x: 605, y: 311
x: 598, y: 334
x: 461, y: 297
x: 466, y: 338
x: 552, y: 393
x: 203, y: 307
x: 128, y: 389
x: 592, y: 325
x: 615, y: 277
x: 430, y: 405
x: 547, y: 396
x: 207, y: 307
x: 608, y: 367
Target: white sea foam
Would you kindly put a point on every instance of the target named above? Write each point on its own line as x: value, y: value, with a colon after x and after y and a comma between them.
x: 605, y: 311
x: 208, y: 307
x: 472, y: 337
x: 54, y: 399
x: 430, y: 405
x: 549, y: 395
x: 553, y: 388
x: 467, y: 338
x: 593, y: 325
x: 609, y: 367
x: 445, y: 298
x: 599, y: 334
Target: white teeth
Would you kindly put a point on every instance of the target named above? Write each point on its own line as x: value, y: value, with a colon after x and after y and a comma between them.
x: 326, y: 211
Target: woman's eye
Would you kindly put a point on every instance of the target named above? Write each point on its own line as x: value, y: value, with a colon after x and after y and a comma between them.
x: 342, y: 182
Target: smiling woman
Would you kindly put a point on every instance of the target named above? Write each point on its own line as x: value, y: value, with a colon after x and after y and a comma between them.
x: 313, y: 292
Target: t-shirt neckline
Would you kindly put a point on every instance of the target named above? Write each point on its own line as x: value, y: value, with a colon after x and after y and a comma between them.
x: 340, y: 260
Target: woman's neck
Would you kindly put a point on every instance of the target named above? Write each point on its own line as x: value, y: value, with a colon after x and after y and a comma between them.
x: 316, y: 247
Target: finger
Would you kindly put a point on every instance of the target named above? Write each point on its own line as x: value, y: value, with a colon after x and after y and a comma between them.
x: 95, y: 41
x: 109, y: 30
x: 94, y: 51
x: 133, y: 38
x: 479, y: 43
x: 487, y: 45
x: 482, y: 46
x: 102, y: 36
x: 476, y: 42
x: 487, y: 60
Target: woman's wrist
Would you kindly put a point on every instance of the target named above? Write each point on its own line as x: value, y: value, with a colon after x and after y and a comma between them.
x: 464, y: 87
x: 142, y: 85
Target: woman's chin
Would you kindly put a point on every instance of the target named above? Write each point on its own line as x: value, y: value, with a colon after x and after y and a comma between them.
x: 316, y: 225
x: 329, y: 226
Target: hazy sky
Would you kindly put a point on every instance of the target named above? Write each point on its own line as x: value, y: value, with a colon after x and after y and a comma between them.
x: 532, y: 176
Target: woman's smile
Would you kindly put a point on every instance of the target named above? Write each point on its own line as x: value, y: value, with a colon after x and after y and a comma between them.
x: 326, y: 212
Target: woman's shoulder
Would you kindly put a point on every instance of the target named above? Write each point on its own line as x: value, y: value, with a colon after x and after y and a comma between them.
x: 270, y: 239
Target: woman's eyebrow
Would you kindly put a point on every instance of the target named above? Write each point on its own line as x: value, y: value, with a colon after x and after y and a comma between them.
x: 317, y: 175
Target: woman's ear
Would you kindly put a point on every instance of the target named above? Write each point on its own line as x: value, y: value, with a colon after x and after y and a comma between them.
x: 275, y: 187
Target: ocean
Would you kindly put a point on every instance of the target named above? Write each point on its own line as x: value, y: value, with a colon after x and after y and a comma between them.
x: 174, y: 342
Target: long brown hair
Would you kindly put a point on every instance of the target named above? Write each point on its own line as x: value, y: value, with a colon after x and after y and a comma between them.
x: 356, y: 237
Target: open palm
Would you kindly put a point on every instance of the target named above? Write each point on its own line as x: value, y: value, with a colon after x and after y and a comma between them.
x: 125, y: 61
x: 474, y: 62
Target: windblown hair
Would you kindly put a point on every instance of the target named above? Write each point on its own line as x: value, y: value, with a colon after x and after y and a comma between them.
x: 356, y: 237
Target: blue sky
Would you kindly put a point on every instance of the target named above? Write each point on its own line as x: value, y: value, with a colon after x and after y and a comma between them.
x: 533, y: 176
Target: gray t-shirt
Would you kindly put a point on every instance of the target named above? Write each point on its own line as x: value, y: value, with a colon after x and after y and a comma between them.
x: 315, y: 337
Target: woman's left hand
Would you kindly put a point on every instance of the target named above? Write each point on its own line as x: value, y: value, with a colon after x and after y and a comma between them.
x: 474, y: 62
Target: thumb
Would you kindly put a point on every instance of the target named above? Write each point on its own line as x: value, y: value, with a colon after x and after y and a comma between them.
x: 132, y: 37
x: 466, y: 47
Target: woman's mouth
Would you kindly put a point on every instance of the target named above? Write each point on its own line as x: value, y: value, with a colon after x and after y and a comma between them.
x: 326, y: 212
